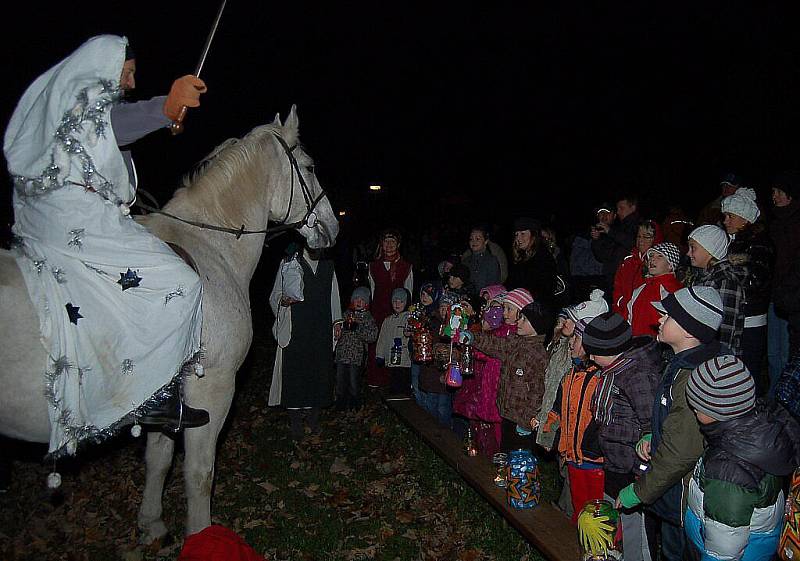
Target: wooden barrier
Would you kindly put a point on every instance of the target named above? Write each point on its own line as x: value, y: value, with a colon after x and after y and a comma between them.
x: 544, y: 527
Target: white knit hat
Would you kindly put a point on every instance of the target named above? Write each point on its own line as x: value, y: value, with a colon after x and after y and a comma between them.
x: 587, y: 311
x: 713, y: 239
x: 742, y: 203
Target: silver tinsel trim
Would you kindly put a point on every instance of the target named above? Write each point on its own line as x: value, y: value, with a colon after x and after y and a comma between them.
x: 173, y: 294
x: 73, y: 122
x: 127, y: 367
x: 39, y: 264
x: 95, y: 269
x: 59, y: 275
x: 76, y: 240
x: 60, y: 366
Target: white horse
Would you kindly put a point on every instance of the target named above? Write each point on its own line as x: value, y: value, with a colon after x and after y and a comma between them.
x: 242, y: 182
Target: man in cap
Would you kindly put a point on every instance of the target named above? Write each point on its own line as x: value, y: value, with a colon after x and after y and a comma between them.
x: 612, y: 242
x: 91, y: 271
x: 624, y: 404
x: 689, y: 323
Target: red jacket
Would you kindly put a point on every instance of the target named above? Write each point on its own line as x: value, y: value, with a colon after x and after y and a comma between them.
x: 630, y: 274
x: 639, y: 310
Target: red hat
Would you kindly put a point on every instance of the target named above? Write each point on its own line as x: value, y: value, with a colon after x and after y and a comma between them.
x: 519, y: 298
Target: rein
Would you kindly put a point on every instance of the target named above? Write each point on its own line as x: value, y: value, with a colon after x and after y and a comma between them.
x: 309, y: 218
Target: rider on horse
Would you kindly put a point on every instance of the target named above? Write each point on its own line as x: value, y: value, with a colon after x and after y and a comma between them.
x: 119, y: 312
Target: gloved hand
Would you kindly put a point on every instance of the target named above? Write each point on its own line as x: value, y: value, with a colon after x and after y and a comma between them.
x: 185, y: 92
x: 522, y: 431
x: 643, y: 447
x: 380, y: 361
x: 627, y: 497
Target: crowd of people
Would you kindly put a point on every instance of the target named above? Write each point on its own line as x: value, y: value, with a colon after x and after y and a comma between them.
x: 649, y: 357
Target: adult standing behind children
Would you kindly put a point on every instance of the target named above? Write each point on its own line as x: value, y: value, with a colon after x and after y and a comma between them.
x: 611, y: 242
x: 387, y: 272
x: 483, y: 264
x: 534, y: 268
x: 303, y: 373
x: 689, y: 323
x: 623, y: 408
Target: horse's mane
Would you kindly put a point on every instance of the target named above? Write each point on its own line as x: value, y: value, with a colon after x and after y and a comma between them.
x: 229, y: 159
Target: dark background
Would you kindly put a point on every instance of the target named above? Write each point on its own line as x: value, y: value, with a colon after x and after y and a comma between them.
x: 461, y: 113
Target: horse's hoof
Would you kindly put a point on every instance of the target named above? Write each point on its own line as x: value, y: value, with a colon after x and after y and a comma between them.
x: 155, y: 533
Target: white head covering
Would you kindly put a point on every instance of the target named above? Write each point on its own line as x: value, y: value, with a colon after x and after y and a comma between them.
x: 60, y: 131
x: 742, y: 203
x: 713, y: 239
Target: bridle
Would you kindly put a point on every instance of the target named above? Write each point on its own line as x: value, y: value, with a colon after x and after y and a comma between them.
x: 309, y: 218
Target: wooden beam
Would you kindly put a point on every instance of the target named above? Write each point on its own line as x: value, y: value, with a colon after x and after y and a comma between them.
x: 546, y: 528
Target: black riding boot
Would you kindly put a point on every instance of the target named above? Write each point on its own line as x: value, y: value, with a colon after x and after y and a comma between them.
x: 173, y: 414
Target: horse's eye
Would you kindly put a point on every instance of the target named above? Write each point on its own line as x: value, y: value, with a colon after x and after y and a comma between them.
x: 311, y: 168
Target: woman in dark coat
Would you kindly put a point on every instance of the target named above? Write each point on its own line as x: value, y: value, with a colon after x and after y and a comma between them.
x: 533, y: 268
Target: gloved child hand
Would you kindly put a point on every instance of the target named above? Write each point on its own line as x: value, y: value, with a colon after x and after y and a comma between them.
x: 185, y: 92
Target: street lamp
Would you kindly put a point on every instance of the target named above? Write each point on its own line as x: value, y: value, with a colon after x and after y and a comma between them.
x: 375, y: 187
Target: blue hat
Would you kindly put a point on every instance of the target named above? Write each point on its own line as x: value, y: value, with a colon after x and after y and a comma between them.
x: 361, y: 292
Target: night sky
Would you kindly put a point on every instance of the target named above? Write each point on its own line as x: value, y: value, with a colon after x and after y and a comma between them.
x: 488, y: 112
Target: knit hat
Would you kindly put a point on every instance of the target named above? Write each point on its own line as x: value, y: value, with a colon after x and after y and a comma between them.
x: 519, y: 298
x: 788, y: 182
x: 431, y: 290
x: 607, y: 335
x: 722, y: 388
x: 527, y: 223
x: 604, y: 207
x: 713, y: 239
x: 670, y: 252
x: 590, y: 309
x: 493, y: 292
x: 461, y: 271
x: 742, y: 203
x: 361, y: 292
x: 539, y: 317
x: 698, y: 309
x: 400, y: 294
x: 391, y: 233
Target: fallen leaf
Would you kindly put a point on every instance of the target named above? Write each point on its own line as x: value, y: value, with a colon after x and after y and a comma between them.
x: 340, y: 466
x: 293, y: 484
x: 405, y: 517
x: 376, y: 430
x: 268, y: 487
x: 470, y: 555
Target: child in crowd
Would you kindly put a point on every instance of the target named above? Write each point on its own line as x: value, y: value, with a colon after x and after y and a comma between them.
x: 356, y: 331
x: 458, y: 281
x: 435, y: 396
x: 476, y: 400
x: 736, y: 501
x: 690, y: 319
x: 392, y: 347
x: 524, y: 360
x: 578, y: 442
x: 429, y: 295
x: 708, y: 250
x: 631, y: 271
x: 624, y: 406
x: 661, y: 262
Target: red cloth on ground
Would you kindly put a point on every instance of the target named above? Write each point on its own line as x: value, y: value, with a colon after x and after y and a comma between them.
x: 639, y: 310
x: 217, y: 543
x: 585, y: 485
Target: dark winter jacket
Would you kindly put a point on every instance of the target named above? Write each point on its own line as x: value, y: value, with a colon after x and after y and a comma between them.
x: 537, y: 275
x: 484, y: 268
x: 729, y: 280
x: 612, y: 248
x: 784, y: 229
x: 735, y: 491
x: 676, y: 440
x: 625, y: 403
x: 351, y: 348
x: 752, y: 250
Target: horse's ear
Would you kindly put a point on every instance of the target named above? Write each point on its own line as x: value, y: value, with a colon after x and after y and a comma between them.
x: 291, y: 126
x: 277, y: 121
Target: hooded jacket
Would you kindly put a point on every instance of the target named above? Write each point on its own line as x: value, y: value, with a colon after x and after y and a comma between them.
x: 736, y: 490
x: 638, y: 309
x: 752, y: 249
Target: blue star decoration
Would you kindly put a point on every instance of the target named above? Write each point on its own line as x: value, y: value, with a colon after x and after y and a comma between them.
x: 72, y: 312
x: 129, y: 279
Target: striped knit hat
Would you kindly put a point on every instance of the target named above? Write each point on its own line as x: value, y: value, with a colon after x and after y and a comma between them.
x: 607, y: 335
x: 519, y: 298
x: 670, y: 252
x: 722, y: 388
x: 698, y: 309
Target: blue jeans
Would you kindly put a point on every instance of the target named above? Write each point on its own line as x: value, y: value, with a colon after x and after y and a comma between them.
x: 777, y: 347
x: 440, y: 405
x: 415, y: 368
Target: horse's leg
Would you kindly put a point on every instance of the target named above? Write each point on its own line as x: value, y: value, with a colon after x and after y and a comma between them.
x: 158, y: 458
x: 213, y: 392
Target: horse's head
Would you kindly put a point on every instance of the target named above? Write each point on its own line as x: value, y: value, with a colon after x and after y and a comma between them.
x: 304, y: 200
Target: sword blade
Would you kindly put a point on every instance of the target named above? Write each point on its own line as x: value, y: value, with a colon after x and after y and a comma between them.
x: 209, y: 39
